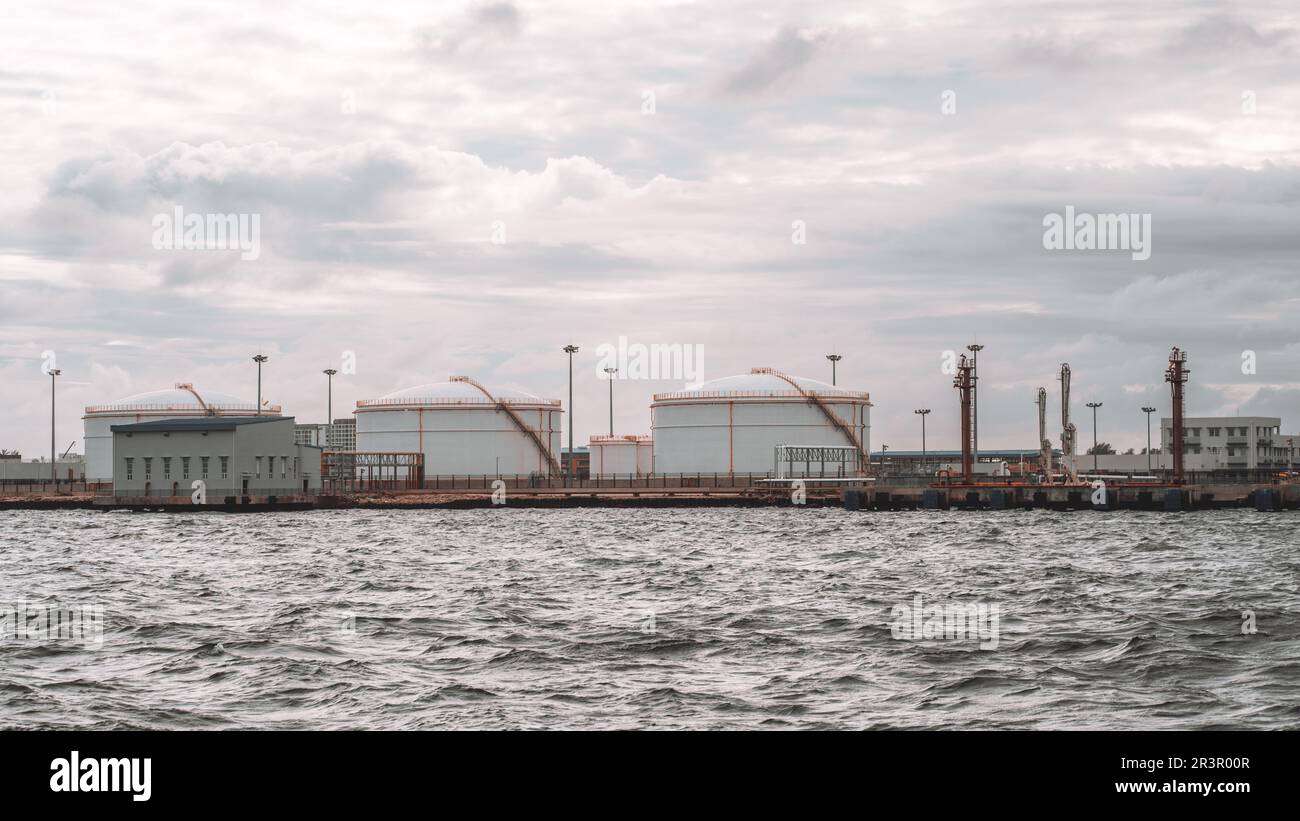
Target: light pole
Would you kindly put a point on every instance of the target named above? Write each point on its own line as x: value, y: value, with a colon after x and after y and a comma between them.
x: 834, y: 358
x: 609, y: 372
x: 329, y: 403
x: 975, y: 399
x: 568, y: 467
x: 922, y: 412
x: 54, y: 473
x: 883, y: 450
x: 1148, y: 412
x: 1094, y: 406
x: 259, y: 359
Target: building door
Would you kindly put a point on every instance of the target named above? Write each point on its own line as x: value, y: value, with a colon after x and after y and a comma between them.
x: 176, y: 488
x: 304, y: 487
x: 148, y: 488
x: 244, y: 485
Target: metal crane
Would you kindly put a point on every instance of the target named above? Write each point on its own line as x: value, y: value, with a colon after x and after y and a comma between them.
x: 1044, y: 444
x: 1068, y: 431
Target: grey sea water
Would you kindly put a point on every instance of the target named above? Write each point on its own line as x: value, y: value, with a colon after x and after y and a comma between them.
x: 666, y: 618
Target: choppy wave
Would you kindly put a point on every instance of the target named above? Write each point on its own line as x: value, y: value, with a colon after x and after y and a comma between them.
x: 656, y: 619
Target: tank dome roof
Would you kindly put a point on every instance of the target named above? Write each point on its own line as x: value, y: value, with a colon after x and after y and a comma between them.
x: 760, y: 383
x: 457, y: 390
x: 182, y: 398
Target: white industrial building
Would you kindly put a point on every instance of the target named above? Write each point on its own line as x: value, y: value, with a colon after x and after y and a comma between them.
x: 1228, y: 442
x: 464, y: 428
x: 734, y: 424
x: 180, y: 402
x: 620, y: 456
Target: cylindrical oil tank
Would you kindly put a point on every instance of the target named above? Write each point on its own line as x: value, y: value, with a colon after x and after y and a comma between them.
x: 180, y: 402
x: 463, y: 427
x: 621, y: 456
x: 734, y: 424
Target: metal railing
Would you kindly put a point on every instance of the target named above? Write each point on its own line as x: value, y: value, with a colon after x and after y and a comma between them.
x: 648, y: 482
x: 833, y: 394
x: 211, y: 410
x: 448, y: 400
x: 28, y: 486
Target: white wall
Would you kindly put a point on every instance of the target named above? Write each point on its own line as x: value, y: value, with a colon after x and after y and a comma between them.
x: 462, y: 440
x: 740, y: 436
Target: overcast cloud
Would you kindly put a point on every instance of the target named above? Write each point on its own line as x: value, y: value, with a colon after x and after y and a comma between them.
x: 380, y: 143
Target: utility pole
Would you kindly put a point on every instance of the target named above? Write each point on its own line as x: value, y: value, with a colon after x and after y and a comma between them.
x: 1148, y: 411
x: 834, y: 358
x: 259, y: 359
x: 568, y: 467
x: 54, y: 473
x: 922, y: 412
x: 975, y: 399
x: 609, y: 373
x: 1094, y: 406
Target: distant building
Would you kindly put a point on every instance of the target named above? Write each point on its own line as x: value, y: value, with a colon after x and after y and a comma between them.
x: 69, y: 468
x: 990, y: 462
x: 234, y: 456
x: 1233, y: 442
x: 342, y: 434
x: 310, y: 434
x: 581, y: 459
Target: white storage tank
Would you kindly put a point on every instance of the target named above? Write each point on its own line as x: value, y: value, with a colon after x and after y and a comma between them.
x: 180, y: 402
x: 621, y: 456
x: 463, y: 427
x: 733, y: 424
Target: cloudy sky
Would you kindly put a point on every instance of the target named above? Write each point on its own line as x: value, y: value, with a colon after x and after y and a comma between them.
x: 646, y: 165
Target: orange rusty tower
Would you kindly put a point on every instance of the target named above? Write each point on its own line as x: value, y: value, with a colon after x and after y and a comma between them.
x: 1176, y: 376
x: 965, y: 383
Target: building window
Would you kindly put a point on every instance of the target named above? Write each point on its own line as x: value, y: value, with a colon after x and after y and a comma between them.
x: 1214, y: 431
x: 148, y: 467
x: 225, y: 466
x: 259, y: 467
x: 203, y: 466
x: 130, y: 467
x: 295, y: 466
x: 284, y: 466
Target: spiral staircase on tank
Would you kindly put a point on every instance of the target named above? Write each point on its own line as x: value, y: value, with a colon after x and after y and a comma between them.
x: 519, y: 423
x: 830, y: 415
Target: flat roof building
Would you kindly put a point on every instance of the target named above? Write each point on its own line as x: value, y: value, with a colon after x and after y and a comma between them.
x: 1234, y: 442
x: 226, y: 458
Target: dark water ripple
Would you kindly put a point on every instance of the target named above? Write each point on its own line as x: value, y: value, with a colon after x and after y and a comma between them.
x: 772, y: 618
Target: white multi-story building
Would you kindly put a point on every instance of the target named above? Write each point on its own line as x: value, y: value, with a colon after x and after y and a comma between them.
x: 342, y: 434
x: 310, y: 434
x: 1227, y: 442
